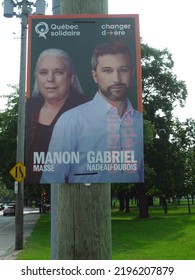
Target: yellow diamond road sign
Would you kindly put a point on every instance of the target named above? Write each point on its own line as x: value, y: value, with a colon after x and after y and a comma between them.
x: 18, y: 172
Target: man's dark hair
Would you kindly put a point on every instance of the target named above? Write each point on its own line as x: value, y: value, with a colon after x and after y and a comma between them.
x: 108, y: 48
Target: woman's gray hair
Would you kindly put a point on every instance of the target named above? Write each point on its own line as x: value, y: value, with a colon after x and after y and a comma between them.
x: 69, y: 63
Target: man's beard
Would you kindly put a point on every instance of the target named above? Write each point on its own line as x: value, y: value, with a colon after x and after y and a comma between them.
x: 117, y: 92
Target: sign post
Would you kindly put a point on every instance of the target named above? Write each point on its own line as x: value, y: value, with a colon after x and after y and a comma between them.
x: 18, y: 172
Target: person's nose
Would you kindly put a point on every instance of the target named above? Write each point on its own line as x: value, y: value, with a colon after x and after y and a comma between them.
x: 116, y: 76
x: 50, y: 76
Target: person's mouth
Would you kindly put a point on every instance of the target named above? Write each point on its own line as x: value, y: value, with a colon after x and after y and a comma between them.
x: 51, y: 88
x: 118, y: 86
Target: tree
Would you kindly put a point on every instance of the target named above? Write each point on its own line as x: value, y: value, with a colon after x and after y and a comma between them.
x: 161, y: 91
x: 123, y: 193
x: 5, y: 194
x: 8, y: 137
x: 183, y: 139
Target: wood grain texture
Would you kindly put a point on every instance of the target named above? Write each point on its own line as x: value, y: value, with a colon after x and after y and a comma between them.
x: 84, y: 222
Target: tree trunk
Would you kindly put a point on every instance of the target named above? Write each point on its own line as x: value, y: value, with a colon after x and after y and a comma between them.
x: 188, y: 200
x: 164, y: 203
x: 143, y: 201
x: 127, y: 196
x: 121, y: 197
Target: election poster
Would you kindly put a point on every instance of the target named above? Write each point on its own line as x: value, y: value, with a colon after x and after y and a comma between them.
x: 84, y: 121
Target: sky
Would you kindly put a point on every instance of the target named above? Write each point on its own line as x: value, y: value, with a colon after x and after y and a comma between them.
x: 163, y: 24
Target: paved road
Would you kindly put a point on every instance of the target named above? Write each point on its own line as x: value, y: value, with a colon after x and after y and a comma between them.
x: 7, y: 231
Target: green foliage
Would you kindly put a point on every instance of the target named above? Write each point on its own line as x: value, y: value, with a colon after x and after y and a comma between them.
x: 35, y: 193
x: 8, y: 137
x: 5, y: 194
x: 149, y: 132
x: 166, y: 156
x: 161, y: 87
x: 184, y: 142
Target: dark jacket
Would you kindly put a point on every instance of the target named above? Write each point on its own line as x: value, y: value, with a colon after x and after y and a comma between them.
x: 39, y: 141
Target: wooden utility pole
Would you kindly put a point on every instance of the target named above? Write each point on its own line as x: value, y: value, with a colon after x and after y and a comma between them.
x: 84, y: 7
x: 81, y: 215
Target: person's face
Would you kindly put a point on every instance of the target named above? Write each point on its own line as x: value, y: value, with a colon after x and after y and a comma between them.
x: 53, y: 78
x: 113, y: 76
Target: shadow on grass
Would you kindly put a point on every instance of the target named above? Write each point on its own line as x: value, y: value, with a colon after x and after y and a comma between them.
x: 160, y: 237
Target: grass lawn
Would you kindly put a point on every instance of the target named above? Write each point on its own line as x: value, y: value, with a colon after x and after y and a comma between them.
x: 160, y: 237
x: 37, y: 245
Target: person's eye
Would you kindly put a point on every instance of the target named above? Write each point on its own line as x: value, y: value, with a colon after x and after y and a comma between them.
x: 59, y: 72
x: 107, y: 70
x: 43, y: 72
x: 124, y: 70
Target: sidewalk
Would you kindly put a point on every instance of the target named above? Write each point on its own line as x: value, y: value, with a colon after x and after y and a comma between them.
x: 8, y: 251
